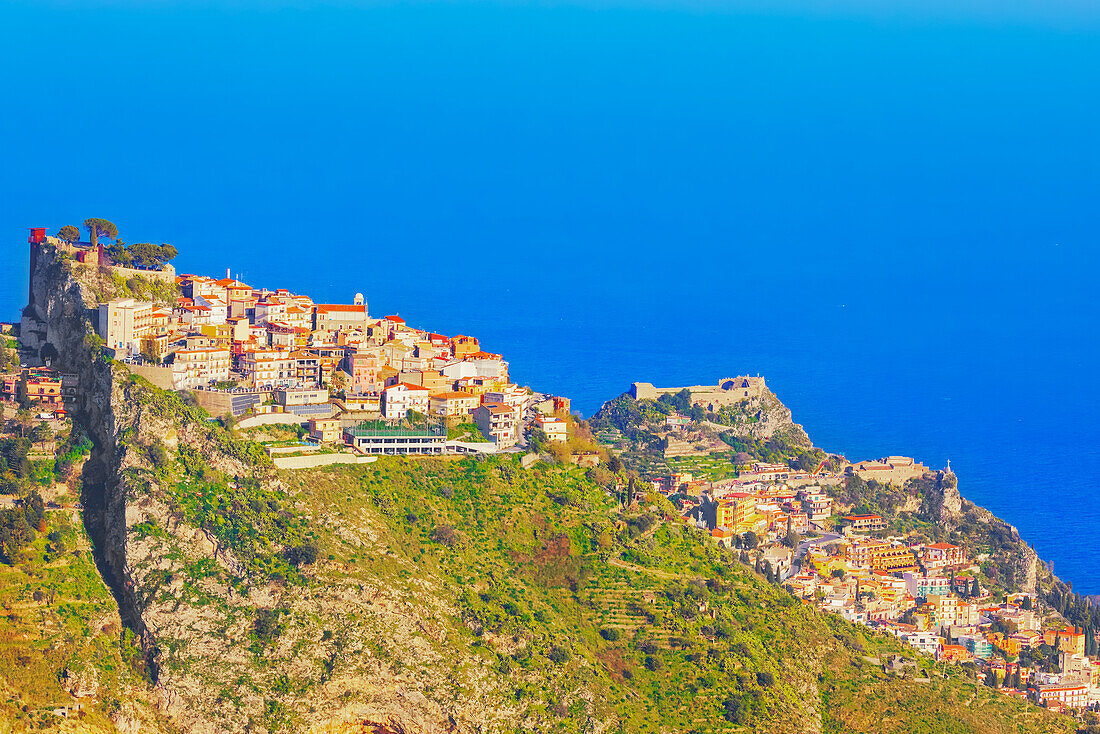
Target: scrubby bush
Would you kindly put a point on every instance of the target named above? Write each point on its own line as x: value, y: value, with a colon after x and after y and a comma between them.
x: 446, y: 535
x: 559, y: 654
x: 301, y: 555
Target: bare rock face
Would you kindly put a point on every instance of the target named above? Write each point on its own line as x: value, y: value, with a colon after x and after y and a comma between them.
x: 952, y: 501
x: 82, y: 683
x: 772, y: 418
x: 943, y: 503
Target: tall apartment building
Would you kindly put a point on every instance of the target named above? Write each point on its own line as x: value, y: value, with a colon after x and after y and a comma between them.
x: 124, y: 321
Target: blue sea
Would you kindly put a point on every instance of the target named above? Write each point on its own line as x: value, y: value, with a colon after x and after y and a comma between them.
x: 889, y: 210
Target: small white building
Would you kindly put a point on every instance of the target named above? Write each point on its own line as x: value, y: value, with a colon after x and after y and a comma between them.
x: 555, y: 428
x: 399, y: 399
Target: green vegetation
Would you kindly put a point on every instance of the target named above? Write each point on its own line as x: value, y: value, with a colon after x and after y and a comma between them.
x: 9, y: 354
x: 99, y: 228
x: 111, y: 285
x: 528, y: 591
x: 465, y: 432
x: 17, y: 527
x: 669, y: 630
x: 59, y: 632
x: 638, y: 430
x: 20, y: 473
x: 141, y: 255
x: 69, y: 233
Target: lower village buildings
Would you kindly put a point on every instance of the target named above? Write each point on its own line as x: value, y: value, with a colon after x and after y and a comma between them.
x: 926, y: 594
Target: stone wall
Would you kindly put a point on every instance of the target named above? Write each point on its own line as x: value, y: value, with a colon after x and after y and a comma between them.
x: 159, y: 376
x: 271, y: 419
x: 167, y: 273
x: 727, y: 391
x: 312, y: 462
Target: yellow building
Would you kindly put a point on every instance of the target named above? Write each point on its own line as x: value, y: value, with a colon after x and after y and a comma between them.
x: 325, y: 430
x: 449, y: 404
x: 736, y: 510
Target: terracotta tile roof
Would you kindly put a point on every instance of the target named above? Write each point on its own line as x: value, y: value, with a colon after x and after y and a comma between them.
x: 340, y: 308
x: 408, y: 386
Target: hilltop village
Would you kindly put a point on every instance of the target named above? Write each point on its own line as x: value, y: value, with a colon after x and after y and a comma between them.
x: 359, y: 385
x: 888, y: 544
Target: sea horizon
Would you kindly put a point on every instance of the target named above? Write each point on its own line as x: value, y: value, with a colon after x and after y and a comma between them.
x: 891, y: 216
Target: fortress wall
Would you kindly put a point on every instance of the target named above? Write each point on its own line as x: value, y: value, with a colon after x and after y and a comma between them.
x: 167, y: 273
x: 311, y: 462
x: 727, y: 391
x: 271, y: 419
x: 156, y: 374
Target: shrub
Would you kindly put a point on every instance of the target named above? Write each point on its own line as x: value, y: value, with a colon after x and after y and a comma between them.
x: 733, y: 712
x: 446, y: 535
x: 559, y: 654
x: 611, y: 634
x: 301, y: 555
x: 268, y: 625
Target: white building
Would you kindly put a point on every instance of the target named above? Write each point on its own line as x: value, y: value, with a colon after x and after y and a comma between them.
x: 123, y: 321
x: 554, y: 428
x: 497, y: 423
x: 399, y: 399
x: 199, y: 366
x: 513, y: 396
x: 219, y: 310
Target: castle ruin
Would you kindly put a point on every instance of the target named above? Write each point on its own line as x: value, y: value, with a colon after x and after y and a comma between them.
x: 728, y: 391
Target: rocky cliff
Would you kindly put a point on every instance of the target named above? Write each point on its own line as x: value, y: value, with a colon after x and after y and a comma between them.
x: 756, y: 420
x: 192, y: 603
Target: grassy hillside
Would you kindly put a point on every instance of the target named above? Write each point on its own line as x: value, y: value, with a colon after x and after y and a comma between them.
x: 442, y: 594
x: 680, y: 636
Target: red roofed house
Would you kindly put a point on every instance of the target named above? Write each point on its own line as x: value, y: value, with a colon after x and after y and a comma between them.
x: 399, y: 399
x: 497, y: 423
x: 452, y: 403
x: 941, y: 555
x: 329, y: 317
x: 865, y: 523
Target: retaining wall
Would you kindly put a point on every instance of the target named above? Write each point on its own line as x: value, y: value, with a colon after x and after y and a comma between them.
x: 311, y: 462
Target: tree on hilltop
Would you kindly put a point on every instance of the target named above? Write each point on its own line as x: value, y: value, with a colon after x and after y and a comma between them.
x: 145, y: 255
x: 119, y: 254
x: 69, y: 233
x: 99, y: 228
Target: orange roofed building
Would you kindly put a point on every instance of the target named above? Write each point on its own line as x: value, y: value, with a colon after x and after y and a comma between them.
x: 463, y: 346
x: 452, y: 403
x: 329, y: 317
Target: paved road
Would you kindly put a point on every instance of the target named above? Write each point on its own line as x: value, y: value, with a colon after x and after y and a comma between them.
x: 805, y: 545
